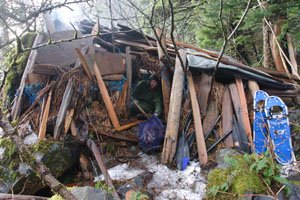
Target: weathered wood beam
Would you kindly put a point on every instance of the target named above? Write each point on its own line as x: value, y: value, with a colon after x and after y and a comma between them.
x: 200, y: 141
x: 170, y: 143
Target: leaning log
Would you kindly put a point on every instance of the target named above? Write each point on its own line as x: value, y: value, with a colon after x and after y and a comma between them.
x: 172, y: 129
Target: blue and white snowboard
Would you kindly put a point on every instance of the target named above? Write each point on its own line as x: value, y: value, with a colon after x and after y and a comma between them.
x: 260, y: 132
x: 279, y: 129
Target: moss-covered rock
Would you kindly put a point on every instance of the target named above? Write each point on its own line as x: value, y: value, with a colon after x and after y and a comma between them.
x: 15, y: 172
x: 248, y: 182
x: 16, y: 64
x: 237, y: 179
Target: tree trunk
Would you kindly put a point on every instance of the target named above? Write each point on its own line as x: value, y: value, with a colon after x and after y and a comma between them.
x: 268, y: 60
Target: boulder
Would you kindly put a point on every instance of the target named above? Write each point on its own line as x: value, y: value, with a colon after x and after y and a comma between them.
x: 17, y: 175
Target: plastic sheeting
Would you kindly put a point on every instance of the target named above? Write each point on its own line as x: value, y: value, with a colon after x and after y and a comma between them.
x: 229, y: 71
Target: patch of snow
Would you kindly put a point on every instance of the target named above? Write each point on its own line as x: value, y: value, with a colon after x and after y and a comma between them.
x: 121, y: 173
x: 31, y: 139
x: 2, y: 152
x: 166, y: 183
x: 23, y: 168
x: 289, y: 170
x: 174, y: 184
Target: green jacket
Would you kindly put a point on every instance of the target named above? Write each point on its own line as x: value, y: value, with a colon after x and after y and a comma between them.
x: 151, y: 99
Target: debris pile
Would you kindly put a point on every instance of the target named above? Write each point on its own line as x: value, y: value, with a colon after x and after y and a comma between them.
x: 82, y: 89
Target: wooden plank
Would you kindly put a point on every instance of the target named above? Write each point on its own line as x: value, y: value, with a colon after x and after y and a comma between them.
x: 172, y: 129
x: 63, y: 109
x: 238, y: 111
x: 99, y: 158
x: 165, y: 73
x: 201, y: 146
x: 203, y: 92
x: 245, y: 114
x: 227, y: 117
x: 128, y: 61
x: 128, y: 126
x: 106, y: 98
x: 43, y: 126
x: 84, y: 63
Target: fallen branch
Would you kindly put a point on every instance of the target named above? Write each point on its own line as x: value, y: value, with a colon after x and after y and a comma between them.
x: 20, y: 197
x: 91, y: 144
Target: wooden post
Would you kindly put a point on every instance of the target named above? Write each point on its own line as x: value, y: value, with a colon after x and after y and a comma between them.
x: 63, y: 109
x: 227, y: 117
x: 201, y: 146
x: 172, y: 129
x: 91, y: 144
x: 129, y: 80
x: 165, y: 74
x: 43, y: 127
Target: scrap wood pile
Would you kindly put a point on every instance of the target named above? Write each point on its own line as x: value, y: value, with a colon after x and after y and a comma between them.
x: 78, y: 87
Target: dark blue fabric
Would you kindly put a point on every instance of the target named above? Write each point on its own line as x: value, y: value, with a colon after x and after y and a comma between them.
x: 151, y: 134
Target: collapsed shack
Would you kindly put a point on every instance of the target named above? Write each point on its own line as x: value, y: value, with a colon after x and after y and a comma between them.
x: 84, y: 86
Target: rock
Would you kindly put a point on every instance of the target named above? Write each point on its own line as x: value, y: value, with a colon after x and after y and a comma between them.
x: 18, y: 175
x: 222, y: 154
x: 88, y: 193
x: 137, y: 183
x: 294, y: 185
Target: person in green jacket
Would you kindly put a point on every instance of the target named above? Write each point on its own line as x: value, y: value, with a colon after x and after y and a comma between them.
x: 147, y: 94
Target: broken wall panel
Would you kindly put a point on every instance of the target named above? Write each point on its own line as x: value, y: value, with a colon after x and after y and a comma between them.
x: 62, y: 54
x: 107, y: 63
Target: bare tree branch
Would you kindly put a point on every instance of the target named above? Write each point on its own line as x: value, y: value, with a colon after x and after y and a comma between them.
x: 227, y: 39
